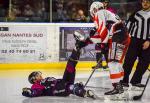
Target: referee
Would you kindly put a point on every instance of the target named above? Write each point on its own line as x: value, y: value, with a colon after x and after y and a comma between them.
x: 139, y: 28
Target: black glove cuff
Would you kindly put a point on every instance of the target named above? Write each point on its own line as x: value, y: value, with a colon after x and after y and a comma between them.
x: 92, y: 32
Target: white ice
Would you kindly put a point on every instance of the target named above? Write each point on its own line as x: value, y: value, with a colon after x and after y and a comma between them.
x: 10, y: 90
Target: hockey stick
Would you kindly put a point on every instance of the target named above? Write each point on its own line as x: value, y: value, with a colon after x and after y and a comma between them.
x: 98, y: 87
x: 96, y: 67
x: 138, y: 97
x: 90, y: 77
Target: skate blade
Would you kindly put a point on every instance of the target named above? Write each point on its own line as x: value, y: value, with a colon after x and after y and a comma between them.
x: 117, y: 97
x: 134, y: 88
x: 91, y: 94
x: 125, y: 88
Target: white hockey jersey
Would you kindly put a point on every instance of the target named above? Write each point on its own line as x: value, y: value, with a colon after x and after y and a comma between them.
x: 102, y: 19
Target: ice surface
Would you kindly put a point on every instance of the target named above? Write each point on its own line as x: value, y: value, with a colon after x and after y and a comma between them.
x: 11, y: 87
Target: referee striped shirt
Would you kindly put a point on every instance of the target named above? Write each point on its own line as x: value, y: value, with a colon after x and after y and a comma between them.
x: 139, y: 25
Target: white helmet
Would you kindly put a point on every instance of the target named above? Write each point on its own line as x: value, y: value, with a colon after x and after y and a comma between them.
x: 95, y: 6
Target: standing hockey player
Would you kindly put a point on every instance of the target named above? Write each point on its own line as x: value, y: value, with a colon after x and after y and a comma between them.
x: 51, y: 86
x: 103, y: 48
x: 108, y: 26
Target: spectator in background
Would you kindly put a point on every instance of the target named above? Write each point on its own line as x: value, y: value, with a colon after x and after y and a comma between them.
x: 73, y: 13
x: 61, y: 14
x: 11, y: 16
x: 122, y: 10
x: 28, y: 12
x: 39, y: 9
x: 2, y: 11
x: 130, y: 7
x: 4, y: 6
x: 13, y: 13
x: 106, y: 4
x: 16, y: 10
x: 80, y: 17
x: 64, y: 10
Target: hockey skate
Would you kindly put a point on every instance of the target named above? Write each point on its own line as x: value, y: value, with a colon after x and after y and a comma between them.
x: 79, y: 36
x: 117, y: 93
x: 97, y: 66
x: 80, y: 91
x: 80, y: 40
x: 101, y: 64
x: 137, y: 87
x: 90, y: 94
x: 118, y: 89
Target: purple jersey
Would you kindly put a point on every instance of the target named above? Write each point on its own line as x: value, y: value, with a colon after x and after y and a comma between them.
x: 50, y: 86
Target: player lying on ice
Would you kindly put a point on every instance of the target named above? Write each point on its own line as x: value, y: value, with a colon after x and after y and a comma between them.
x: 51, y: 86
x: 108, y: 28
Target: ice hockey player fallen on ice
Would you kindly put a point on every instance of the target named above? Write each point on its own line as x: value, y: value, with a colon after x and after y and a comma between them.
x: 51, y: 86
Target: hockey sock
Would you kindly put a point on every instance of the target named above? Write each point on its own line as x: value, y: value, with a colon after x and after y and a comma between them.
x: 69, y: 74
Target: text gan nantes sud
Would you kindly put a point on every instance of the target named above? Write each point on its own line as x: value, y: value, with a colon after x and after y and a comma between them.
x: 21, y: 34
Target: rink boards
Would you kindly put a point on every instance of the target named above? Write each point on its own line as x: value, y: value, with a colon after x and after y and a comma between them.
x: 40, y: 45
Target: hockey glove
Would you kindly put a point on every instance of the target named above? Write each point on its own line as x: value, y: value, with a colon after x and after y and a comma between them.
x: 27, y: 92
x: 120, y: 34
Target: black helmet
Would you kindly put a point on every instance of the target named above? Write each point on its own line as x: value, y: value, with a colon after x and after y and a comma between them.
x: 32, y: 76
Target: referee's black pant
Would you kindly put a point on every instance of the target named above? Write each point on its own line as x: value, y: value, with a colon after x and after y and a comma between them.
x: 135, y: 50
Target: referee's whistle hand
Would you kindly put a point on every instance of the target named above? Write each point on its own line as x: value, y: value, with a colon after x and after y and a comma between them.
x: 146, y: 45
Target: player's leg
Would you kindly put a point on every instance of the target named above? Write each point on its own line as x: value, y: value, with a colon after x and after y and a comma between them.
x: 98, y: 55
x: 116, y: 55
x: 117, y: 52
x: 101, y: 55
x: 98, y: 51
x: 130, y: 58
x: 116, y: 74
x: 142, y: 66
x: 115, y: 68
x: 105, y: 50
x: 69, y: 74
